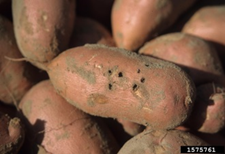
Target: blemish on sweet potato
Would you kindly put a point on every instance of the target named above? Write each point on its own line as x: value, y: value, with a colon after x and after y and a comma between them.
x: 54, y: 43
x: 112, y: 72
x: 25, y: 23
x: 161, y: 4
x: 120, y: 74
x: 142, y: 80
x: 94, y: 99
x: 140, y: 92
x: 138, y: 71
x: 157, y: 95
x: 63, y: 136
x: 42, y: 20
x: 110, y: 86
x: 89, y: 76
x: 27, y: 108
x: 117, y: 4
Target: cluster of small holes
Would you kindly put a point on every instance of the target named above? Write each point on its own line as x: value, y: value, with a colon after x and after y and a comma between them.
x: 120, y: 74
x: 142, y: 80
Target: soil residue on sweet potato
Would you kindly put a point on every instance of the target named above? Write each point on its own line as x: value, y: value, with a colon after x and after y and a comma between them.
x: 25, y: 23
x: 88, y: 75
x: 96, y: 98
x: 42, y: 21
x: 27, y: 108
x: 161, y: 4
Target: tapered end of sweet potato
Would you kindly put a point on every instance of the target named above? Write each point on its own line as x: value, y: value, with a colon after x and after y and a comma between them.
x: 12, y: 134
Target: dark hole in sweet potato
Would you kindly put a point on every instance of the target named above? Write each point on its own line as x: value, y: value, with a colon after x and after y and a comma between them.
x: 120, y: 74
x: 138, y: 71
x: 135, y: 87
x: 142, y: 80
x: 147, y: 65
x: 110, y: 86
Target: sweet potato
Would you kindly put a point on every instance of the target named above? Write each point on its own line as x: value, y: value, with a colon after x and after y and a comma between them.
x: 208, y: 23
x: 14, y: 82
x: 134, y: 22
x: 196, y: 56
x: 182, y: 20
x: 160, y: 142
x: 112, y: 82
x: 208, y: 113
x: 43, y: 28
x: 11, y: 133
x: 87, y: 30
x: 130, y: 127
x: 60, y: 127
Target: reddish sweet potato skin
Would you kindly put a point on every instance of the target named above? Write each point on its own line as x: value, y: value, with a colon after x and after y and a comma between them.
x: 60, y: 127
x: 130, y: 127
x: 13, y: 80
x: 43, y: 29
x: 208, y: 23
x: 160, y: 142
x: 112, y: 82
x: 208, y: 115
x: 198, y: 58
x: 134, y: 22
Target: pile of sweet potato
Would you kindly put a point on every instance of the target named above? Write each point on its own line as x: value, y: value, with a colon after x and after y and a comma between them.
x: 111, y: 76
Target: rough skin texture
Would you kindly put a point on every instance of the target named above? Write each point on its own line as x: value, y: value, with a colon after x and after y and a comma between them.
x: 113, y: 82
x: 196, y: 56
x: 60, y: 127
x: 43, y: 30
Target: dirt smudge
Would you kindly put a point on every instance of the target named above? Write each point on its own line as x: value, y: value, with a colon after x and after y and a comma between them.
x: 96, y: 98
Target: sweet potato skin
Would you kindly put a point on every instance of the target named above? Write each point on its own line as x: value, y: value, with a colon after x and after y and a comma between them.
x: 58, y: 126
x: 208, y: 23
x: 196, y: 56
x: 160, y: 142
x: 134, y: 22
x: 13, y: 80
x: 130, y: 127
x: 43, y: 30
x: 123, y: 84
x: 208, y: 115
